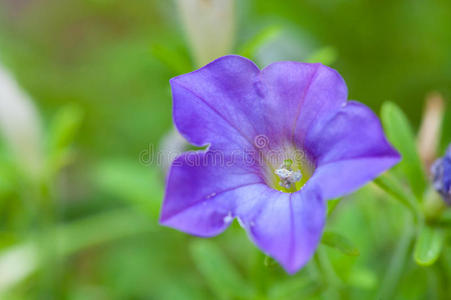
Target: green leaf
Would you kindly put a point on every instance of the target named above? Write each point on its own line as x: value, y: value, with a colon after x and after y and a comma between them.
x: 428, y: 245
x: 69, y: 238
x: 7, y: 184
x: 339, y: 242
x: 220, y: 274
x: 363, y: 278
x: 100, y: 228
x: 172, y: 58
x: 63, y: 130
x: 395, y: 267
x: 393, y: 187
x: 140, y: 185
x: 251, y: 47
x: 292, y: 287
x: 401, y: 136
x: 326, y: 55
x: 65, y: 126
x: 445, y: 219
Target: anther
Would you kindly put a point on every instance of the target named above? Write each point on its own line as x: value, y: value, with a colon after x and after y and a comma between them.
x: 287, y: 176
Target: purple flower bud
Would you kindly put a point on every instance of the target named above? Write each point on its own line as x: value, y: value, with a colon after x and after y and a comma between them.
x: 441, y: 175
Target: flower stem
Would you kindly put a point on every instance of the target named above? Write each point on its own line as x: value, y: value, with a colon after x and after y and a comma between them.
x: 330, y: 282
x: 393, y: 187
x: 397, y: 263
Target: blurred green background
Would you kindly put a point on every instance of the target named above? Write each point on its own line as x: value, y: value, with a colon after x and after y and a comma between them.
x: 98, y: 71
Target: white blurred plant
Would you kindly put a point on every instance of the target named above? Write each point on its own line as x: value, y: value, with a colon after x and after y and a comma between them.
x: 20, y: 124
x: 430, y: 128
x: 16, y: 263
x: 171, y: 145
x: 210, y: 26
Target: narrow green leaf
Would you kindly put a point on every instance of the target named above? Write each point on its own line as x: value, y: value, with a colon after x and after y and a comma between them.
x: 140, y: 185
x: 220, y: 274
x: 428, y: 245
x: 394, y: 188
x: 7, y: 184
x: 326, y: 55
x: 67, y: 239
x: 328, y: 274
x: 445, y: 219
x: 171, y: 58
x: 94, y: 230
x: 64, y: 128
x: 251, y: 47
x: 363, y: 278
x: 339, y: 242
x: 292, y: 287
x: 395, y: 267
x: 401, y: 136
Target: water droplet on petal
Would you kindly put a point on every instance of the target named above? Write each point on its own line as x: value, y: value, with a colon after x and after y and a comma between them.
x: 228, y: 218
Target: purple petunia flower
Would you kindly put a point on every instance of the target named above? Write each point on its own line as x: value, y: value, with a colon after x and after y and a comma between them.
x: 441, y: 173
x: 282, y: 140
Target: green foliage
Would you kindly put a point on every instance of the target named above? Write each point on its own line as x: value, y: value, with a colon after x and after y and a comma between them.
x: 249, y: 49
x: 400, y: 134
x: 393, y: 187
x: 98, y: 73
x: 64, y: 128
x: 429, y: 245
x: 326, y: 55
x: 62, y: 133
x: 219, y: 273
x: 171, y: 58
x: 140, y: 186
x: 339, y: 242
x: 292, y: 288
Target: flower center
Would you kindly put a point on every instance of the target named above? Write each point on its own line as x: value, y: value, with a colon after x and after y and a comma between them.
x: 288, y: 177
x: 287, y: 170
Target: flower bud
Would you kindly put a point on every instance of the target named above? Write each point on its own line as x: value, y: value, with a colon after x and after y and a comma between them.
x: 430, y: 129
x: 441, y: 175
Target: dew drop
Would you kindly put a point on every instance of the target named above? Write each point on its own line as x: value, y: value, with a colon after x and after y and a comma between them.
x: 228, y: 218
x: 211, y: 195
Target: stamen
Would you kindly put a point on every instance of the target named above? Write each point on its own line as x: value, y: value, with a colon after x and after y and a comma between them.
x: 287, y: 176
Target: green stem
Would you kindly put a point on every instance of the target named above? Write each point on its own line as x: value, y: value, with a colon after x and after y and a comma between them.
x: 330, y: 282
x: 397, y: 263
x: 394, y: 188
x: 46, y: 248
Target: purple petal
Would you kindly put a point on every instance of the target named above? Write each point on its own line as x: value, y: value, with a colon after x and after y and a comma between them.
x: 350, y: 149
x: 287, y: 227
x: 202, y: 192
x: 202, y: 199
x: 216, y: 103
x: 297, y: 94
x: 229, y: 102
